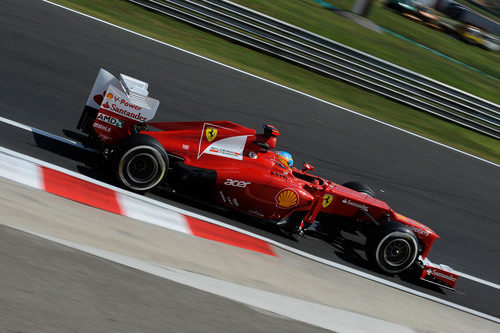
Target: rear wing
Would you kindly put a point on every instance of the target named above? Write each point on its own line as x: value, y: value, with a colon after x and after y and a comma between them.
x: 114, y: 105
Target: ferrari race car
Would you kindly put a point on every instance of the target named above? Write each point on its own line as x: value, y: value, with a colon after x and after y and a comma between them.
x: 234, y: 166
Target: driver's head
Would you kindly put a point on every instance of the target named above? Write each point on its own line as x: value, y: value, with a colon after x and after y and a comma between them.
x: 285, y: 159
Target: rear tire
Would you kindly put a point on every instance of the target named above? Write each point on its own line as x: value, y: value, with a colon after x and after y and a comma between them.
x: 140, y: 163
x: 360, y: 187
x: 392, y: 247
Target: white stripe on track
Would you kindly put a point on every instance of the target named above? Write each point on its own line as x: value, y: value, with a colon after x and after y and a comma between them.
x: 162, y: 206
x: 274, y: 83
x: 47, y: 134
x: 478, y: 280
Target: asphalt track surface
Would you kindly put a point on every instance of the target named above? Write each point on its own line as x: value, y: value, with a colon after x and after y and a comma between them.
x: 49, y: 58
x: 96, y: 295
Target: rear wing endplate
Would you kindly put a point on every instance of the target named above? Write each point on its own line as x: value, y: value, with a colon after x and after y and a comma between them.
x: 115, y: 104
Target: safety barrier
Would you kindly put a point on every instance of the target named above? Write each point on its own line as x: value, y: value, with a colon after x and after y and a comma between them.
x: 332, y: 59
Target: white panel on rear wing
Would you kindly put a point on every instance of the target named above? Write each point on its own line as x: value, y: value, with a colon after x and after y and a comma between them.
x: 133, y: 106
x: 101, y: 84
x: 127, y: 96
x: 133, y: 85
x: 148, y: 103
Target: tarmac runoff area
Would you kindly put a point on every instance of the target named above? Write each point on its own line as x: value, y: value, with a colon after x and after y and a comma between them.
x: 79, y: 268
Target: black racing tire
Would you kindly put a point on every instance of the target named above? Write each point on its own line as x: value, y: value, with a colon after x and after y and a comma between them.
x: 140, y: 163
x: 392, y: 247
x: 360, y: 187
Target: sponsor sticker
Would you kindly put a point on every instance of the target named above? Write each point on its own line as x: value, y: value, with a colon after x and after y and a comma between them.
x: 118, y: 102
x: 441, y: 275
x: 102, y: 127
x: 418, y: 231
x: 327, y: 200
x: 355, y: 204
x: 236, y: 183
x: 229, y: 200
x: 287, y: 198
x: 256, y: 213
x: 223, y: 197
x: 224, y: 152
x: 211, y: 133
x: 221, y: 141
x: 104, y: 137
x: 110, y: 120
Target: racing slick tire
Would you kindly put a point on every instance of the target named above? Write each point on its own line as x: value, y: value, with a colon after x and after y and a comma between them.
x: 360, y: 187
x: 392, y: 247
x: 140, y: 163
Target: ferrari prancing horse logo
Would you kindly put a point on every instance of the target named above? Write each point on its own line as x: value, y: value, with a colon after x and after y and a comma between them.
x: 327, y: 199
x: 211, y: 133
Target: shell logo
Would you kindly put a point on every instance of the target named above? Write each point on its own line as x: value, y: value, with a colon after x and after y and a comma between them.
x: 287, y: 198
x: 109, y: 95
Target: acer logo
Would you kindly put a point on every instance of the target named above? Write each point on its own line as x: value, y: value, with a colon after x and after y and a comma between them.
x: 236, y: 183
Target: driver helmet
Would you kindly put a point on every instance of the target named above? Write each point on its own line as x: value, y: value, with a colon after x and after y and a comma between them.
x: 284, y: 159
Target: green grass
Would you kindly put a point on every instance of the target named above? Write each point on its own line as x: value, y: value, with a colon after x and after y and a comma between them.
x: 314, y: 17
x: 184, y: 36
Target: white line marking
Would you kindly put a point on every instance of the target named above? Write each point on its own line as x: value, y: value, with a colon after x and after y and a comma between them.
x: 162, y: 205
x: 274, y: 83
x: 319, y: 315
x: 47, y: 134
x: 478, y: 280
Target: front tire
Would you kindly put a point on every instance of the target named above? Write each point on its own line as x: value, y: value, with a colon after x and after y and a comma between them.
x: 140, y: 163
x: 392, y: 247
x: 360, y: 187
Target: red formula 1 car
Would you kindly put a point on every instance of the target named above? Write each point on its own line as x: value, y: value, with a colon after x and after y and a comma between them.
x: 236, y: 167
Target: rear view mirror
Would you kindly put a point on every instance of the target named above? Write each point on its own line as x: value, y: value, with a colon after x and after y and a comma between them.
x: 307, y: 167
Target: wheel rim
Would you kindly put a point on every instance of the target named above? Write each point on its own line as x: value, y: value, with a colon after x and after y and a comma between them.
x: 397, y: 252
x: 142, y: 168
